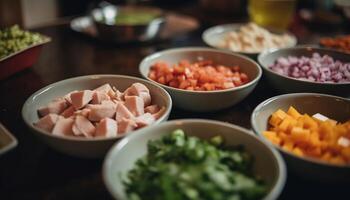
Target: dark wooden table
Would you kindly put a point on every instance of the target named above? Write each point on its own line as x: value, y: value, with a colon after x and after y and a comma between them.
x: 35, y: 171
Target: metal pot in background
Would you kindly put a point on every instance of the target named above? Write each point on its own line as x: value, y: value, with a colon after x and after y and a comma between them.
x: 104, y: 20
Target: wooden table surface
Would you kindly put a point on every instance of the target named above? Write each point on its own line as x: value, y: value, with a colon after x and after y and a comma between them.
x: 35, y: 171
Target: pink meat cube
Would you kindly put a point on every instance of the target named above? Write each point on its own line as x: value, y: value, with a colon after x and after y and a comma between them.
x: 126, y: 125
x: 144, y: 120
x: 63, y: 126
x: 111, y: 103
x: 82, y: 126
x: 135, y: 105
x: 67, y: 97
x: 98, y: 97
x: 101, y: 111
x: 107, y: 128
x: 68, y: 112
x: 106, y: 89
x: 152, y: 109
x: 123, y: 113
x: 47, y: 123
x: 81, y: 98
x: 56, y: 106
x: 158, y: 114
x: 119, y: 96
x: 140, y: 90
x: 84, y: 112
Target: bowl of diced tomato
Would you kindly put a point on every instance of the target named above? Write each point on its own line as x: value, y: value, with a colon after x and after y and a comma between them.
x: 202, y: 79
x: 312, y: 131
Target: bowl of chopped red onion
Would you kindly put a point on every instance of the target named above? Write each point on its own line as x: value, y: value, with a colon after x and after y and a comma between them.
x: 307, y: 69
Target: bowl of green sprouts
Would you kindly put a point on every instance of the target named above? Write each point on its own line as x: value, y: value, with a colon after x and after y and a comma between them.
x: 193, y: 160
x: 19, y: 49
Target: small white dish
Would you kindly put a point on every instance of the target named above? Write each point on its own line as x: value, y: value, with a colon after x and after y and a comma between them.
x: 214, y: 36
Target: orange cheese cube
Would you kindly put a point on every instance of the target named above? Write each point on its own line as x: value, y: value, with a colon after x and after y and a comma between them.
x: 272, y: 137
x: 293, y: 112
x: 298, y: 151
x: 300, y: 134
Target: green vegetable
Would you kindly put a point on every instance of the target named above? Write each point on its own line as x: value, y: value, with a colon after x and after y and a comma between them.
x: 134, y: 17
x: 14, y: 39
x: 188, y: 168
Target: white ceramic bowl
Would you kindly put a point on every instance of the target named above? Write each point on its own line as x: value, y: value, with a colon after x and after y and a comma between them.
x: 331, y: 106
x: 287, y: 84
x: 121, y: 158
x: 85, y: 147
x: 214, y: 35
x: 203, y: 101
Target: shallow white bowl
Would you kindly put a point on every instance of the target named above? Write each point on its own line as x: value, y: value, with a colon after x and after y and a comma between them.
x: 203, y: 101
x: 85, y: 147
x: 331, y: 106
x: 122, y: 156
x: 214, y: 35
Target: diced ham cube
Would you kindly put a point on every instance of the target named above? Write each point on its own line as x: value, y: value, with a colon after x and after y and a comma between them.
x: 144, y: 120
x: 98, y: 97
x: 84, y: 112
x: 56, y: 106
x: 152, y: 109
x: 123, y: 113
x: 140, y: 90
x: 63, y: 127
x: 68, y: 112
x: 158, y: 114
x: 47, y: 123
x: 107, y: 128
x: 110, y: 103
x: 67, y: 97
x: 106, y: 89
x: 126, y: 125
x: 81, y: 98
x: 119, y: 95
x: 101, y: 111
x: 135, y: 105
x: 82, y: 126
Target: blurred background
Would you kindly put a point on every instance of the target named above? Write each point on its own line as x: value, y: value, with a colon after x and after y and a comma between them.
x: 36, y: 13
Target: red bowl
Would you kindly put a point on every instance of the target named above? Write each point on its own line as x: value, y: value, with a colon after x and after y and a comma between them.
x: 20, y: 60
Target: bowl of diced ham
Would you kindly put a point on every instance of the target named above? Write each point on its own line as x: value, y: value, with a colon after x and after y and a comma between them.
x: 84, y: 116
x: 202, y: 79
x: 307, y: 69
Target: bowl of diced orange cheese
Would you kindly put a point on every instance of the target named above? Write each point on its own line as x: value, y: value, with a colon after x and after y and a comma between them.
x: 312, y: 131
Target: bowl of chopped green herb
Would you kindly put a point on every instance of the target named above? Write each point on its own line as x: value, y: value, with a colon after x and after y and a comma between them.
x: 19, y: 49
x: 193, y: 159
x: 125, y: 24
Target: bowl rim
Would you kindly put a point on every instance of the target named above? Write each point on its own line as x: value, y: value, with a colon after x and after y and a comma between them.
x: 275, y: 190
x: 286, y: 96
x: 253, y: 81
x: 160, y: 18
x: 266, y: 53
x: 13, y: 142
x: 234, y: 26
x: 46, y: 39
x: 93, y: 76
